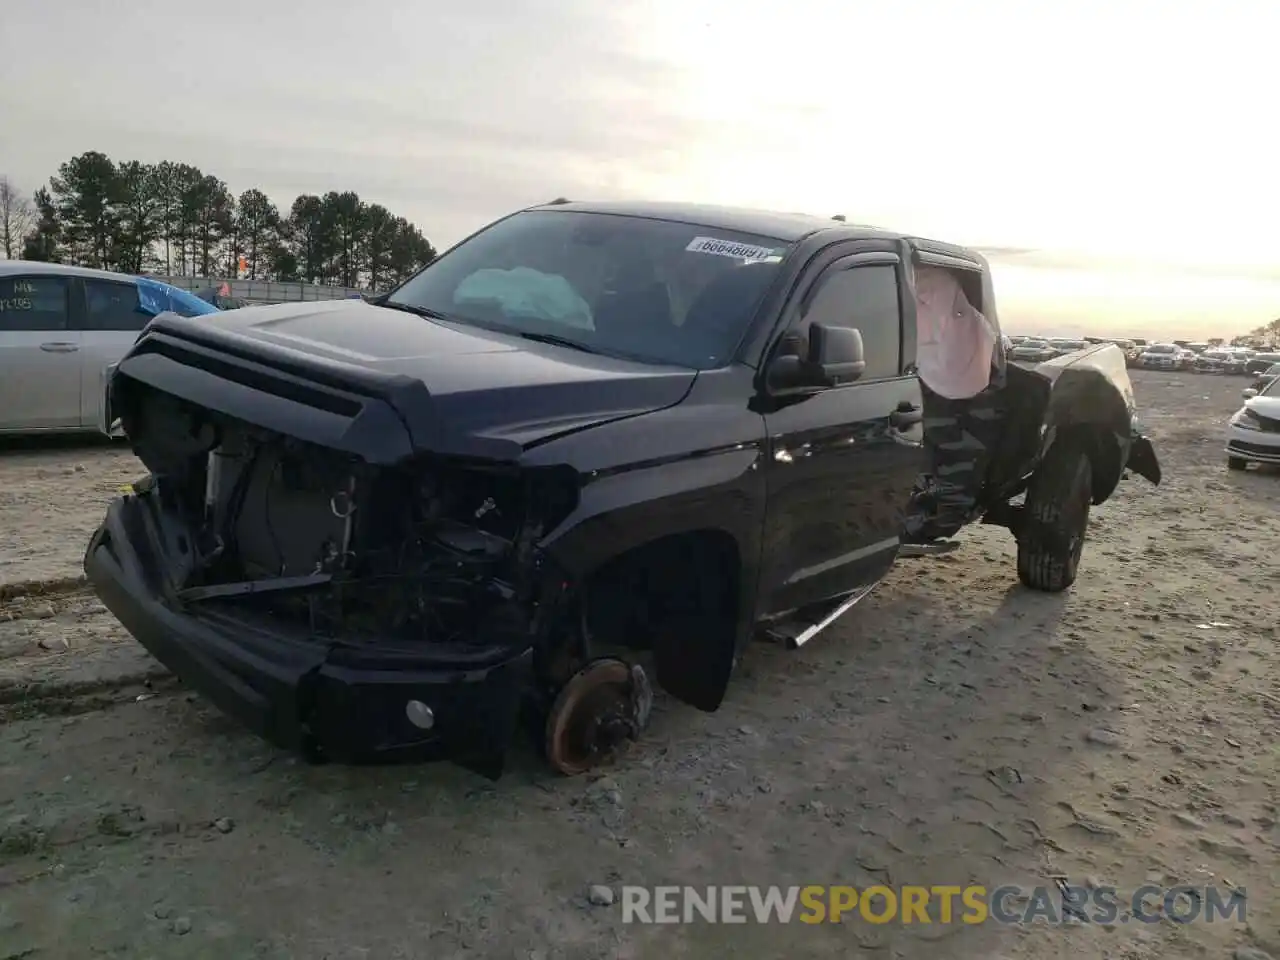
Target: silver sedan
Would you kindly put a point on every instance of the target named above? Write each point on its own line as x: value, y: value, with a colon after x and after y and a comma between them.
x: 61, y: 329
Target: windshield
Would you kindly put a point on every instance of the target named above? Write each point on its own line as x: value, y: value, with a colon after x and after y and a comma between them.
x: 651, y: 290
x: 1034, y: 344
x: 1162, y: 348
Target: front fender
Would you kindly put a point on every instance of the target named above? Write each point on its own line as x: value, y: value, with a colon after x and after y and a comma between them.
x: 692, y: 470
x: 689, y: 467
x: 619, y: 511
x: 716, y: 493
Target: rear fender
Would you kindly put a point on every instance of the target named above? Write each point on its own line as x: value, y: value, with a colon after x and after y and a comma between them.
x: 1091, y: 399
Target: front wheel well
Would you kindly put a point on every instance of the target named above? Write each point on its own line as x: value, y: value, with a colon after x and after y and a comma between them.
x: 677, y: 596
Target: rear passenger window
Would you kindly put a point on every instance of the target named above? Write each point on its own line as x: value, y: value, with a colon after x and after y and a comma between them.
x: 865, y: 298
x: 112, y: 306
x: 33, y: 303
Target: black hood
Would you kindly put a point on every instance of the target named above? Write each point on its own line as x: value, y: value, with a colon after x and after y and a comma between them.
x: 466, y: 381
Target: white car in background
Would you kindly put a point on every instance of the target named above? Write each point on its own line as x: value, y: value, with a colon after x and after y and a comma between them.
x: 1161, y: 356
x: 1253, y: 434
x: 62, y: 328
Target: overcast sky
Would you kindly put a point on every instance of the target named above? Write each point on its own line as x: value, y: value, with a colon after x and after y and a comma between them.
x: 1135, y: 140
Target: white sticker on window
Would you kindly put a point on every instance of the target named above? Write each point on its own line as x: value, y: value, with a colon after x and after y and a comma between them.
x: 729, y: 248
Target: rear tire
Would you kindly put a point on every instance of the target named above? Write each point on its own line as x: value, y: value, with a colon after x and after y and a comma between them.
x: 1237, y: 463
x: 1055, y: 519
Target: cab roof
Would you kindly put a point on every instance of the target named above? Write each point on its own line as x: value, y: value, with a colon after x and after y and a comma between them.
x: 775, y: 225
x: 786, y: 227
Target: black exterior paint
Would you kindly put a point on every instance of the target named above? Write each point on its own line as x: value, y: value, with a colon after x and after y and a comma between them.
x: 810, y: 489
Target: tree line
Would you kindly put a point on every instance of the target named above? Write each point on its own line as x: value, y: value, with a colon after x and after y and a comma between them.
x: 173, y: 218
x: 1268, y: 331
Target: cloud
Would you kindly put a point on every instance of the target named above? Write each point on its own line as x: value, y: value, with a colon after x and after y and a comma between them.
x: 449, y: 117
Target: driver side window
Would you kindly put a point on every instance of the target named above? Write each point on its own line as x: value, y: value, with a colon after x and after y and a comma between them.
x: 865, y: 298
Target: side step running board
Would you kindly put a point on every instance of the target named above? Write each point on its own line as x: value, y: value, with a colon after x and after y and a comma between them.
x: 803, y: 625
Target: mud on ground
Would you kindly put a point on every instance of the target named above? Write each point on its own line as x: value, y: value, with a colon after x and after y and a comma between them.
x: 953, y: 728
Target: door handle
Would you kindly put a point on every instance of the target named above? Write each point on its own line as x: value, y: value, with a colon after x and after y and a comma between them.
x: 60, y: 346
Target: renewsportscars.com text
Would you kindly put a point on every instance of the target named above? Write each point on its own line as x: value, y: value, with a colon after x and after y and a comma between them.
x: 1057, y: 904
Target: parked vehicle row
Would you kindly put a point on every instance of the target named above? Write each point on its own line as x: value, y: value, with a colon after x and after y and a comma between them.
x: 1178, y: 355
x: 1222, y: 360
x: 1032, y: 351
x: 1035, y: 350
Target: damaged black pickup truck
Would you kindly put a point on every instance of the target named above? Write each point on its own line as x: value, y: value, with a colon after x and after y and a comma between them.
x: 585, y: 438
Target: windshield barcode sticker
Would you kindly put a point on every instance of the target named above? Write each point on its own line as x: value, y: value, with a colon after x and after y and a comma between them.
x: 729, y: 248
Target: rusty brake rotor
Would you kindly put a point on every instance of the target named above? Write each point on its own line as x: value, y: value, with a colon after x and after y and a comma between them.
x: 604, y: 704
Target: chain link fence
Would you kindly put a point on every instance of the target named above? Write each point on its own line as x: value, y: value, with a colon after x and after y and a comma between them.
x: 262, y: 291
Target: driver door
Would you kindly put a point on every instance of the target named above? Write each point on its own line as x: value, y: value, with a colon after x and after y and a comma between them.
x: 39, y: 354
x: 841, y: 462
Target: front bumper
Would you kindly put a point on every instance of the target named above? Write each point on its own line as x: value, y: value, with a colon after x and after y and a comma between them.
x: 1257, y: 446
x: 332, y: 699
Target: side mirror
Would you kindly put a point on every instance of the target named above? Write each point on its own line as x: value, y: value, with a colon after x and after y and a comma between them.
x: 838, y: 351
x: 834, y: 355
x: 1248, y: 393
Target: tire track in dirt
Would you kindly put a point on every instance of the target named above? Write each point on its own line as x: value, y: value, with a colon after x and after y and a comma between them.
x: 44, y: 600
x: 56, y: 587
x: 63, y: 654
x: 61, y: 698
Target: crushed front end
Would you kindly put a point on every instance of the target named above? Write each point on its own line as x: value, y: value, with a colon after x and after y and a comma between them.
x: 356, y: 606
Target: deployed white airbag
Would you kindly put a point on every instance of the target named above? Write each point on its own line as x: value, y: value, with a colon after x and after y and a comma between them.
x: 955, y: 345
x: 528, y: 291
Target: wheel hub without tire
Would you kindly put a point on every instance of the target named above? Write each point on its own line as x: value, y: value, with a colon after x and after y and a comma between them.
x: 601, y: 707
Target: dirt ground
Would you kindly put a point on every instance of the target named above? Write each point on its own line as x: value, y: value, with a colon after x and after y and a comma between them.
x: 953, y: 728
